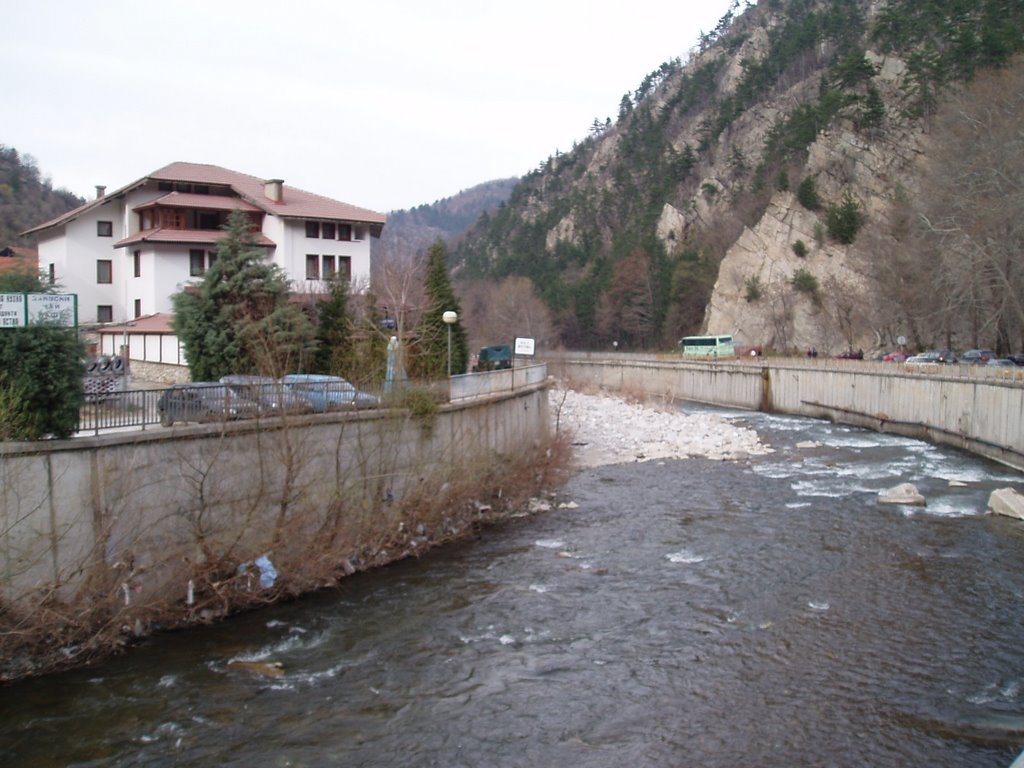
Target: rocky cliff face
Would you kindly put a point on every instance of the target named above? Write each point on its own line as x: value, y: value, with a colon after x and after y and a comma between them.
x: 699, y: 185
x: 874, y: 168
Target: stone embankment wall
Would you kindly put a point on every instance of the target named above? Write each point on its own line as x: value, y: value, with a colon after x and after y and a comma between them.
x: 968, y: 409
x: 119, y: 527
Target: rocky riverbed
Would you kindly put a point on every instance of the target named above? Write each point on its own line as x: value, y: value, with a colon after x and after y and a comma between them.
x: 608, y: 429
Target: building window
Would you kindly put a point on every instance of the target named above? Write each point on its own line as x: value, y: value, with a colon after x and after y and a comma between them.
x: 104, y: 271
x: 209, y: 220
x: 52, y: 270
x: 104, y: 229
x: 137, y: 263
x: 196, y: 263
x: 164, y: 186
x: 357, y: 232
x: 104, y: 313
x: 344, y: 231
x: 138, y: 307
x: 312, y: 229
x: 327, y: 231
x: 211, y: 258
x: 344, y: 268
x: 312, y: 266
x: 329, y: 269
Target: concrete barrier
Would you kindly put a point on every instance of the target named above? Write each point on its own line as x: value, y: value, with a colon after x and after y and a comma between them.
x: 957, y: 406
x: 136, y: 512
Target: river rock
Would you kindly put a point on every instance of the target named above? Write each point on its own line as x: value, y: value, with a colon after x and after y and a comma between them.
x: 904, y: 493
x: 263, y: 668
x: 1006, y: 501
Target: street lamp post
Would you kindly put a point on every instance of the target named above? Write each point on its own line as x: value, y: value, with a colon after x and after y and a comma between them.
x: 449, y: 318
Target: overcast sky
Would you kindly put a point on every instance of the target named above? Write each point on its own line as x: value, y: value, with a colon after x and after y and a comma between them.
x: 385, y: 105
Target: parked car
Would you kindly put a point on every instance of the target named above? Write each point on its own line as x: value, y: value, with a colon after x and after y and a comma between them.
x: 327, y: 393
x: 203, y: 401
x: 946, y: 355
x: 895, y: 357
x: 925, y: 358
x: 1017, y: 357
x: 977, y: 356
x: 851, y: 354
x: 494, y: 358
x: 999, y: 362
x: 270, y: 395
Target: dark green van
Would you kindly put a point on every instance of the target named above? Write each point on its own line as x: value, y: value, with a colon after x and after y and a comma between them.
x: 494, y: 358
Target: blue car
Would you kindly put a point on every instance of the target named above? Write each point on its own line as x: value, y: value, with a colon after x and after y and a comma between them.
x: 327, y: 393
x: 271, y: 397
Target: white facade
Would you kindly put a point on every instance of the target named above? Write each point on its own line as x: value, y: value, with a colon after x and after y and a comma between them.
x: 163, y: 226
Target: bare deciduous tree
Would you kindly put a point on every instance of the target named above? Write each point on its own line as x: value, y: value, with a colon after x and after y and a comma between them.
x: 498, y: 312
x: 970, y: 208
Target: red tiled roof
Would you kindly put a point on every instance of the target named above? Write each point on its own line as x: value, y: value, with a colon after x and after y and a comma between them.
x: 64, y: 217
x: 189, y: 200
x: 19, y: 251
x: 186, y: 236
x: 158, y: 323
x: 295, y: 203
x: 17, y: 258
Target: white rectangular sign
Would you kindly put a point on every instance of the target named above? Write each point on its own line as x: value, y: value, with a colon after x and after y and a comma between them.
x: 12, y: 310
x: 53, y: 309
x: 524, y: 346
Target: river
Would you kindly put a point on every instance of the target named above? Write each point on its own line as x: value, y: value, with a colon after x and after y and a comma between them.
x: 768, y: 612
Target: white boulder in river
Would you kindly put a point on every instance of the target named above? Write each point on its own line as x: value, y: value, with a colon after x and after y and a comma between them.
x: 904, y: 493
x: 1007, y: 501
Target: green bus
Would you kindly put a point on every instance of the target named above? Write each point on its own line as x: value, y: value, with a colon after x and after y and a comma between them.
x: 707, y: 346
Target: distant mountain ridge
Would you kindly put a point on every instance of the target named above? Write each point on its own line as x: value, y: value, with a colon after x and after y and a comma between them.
x: 409, y: 233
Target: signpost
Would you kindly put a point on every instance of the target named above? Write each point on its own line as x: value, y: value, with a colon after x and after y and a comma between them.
x: 53, y: 309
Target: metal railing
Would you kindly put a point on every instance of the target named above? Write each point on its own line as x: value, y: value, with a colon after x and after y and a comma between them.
x: 137, y: 408
x: 127, y: 409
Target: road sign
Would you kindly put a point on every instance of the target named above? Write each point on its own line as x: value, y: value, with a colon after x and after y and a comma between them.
x: 524, y: 347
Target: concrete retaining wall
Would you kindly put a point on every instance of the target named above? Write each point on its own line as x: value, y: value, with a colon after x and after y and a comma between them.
x: 136, y: 511
x: 981, y: 414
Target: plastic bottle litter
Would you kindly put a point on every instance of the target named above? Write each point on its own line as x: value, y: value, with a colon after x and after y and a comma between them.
x: 268, y: 573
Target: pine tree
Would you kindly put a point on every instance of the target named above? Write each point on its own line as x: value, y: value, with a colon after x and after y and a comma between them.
x: 432, y: 331
x: 239, y: 319
x: 334, y: 350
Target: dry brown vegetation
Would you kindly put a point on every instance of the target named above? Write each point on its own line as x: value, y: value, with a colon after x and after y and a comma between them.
x: 947, y: 264
x: 314, y: 541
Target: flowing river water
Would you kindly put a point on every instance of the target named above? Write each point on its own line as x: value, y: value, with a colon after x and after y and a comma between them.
x: 768, y: 612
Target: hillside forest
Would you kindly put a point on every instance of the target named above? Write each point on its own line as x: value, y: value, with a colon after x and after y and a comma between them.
x: 26, y: 197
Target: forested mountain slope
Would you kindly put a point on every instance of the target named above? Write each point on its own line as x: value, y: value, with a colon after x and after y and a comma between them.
x: 792, y: 183
x: 411, y: 232
x: 26, y: 198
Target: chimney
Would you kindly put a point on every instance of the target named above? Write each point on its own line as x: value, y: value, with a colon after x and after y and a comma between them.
x: 100, y: 191
x: 274, y: 189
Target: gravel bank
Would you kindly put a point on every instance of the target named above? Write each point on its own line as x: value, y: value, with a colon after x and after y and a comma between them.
x: 609, y: 430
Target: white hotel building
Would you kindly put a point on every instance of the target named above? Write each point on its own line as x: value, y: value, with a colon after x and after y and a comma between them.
x: 127, y: 252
